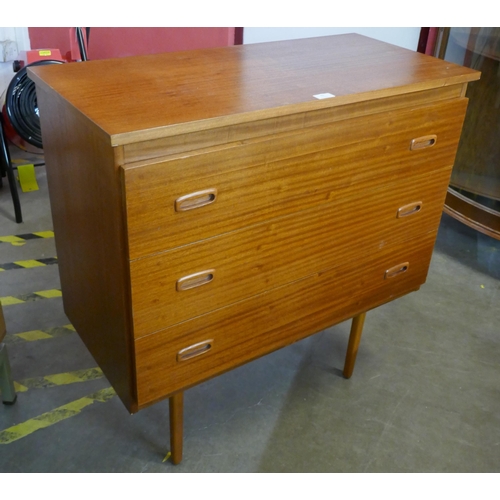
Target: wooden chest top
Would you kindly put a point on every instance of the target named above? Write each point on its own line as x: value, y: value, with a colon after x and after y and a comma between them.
x: 153, y: 96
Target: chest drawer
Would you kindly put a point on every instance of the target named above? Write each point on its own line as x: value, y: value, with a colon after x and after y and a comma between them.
x: 243, y: 183
x: 210, y: 344
x: 194, y: 279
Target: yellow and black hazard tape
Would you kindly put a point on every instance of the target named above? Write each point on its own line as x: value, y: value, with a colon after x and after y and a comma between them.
x: 33, y: 335
x: 58, y: 379
x: 29, y: 297
x: 28, y: 264
x: 21, y: 239
x: 52, y: 417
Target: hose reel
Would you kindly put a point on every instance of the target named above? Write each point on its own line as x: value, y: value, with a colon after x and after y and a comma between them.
x: 20, y: 109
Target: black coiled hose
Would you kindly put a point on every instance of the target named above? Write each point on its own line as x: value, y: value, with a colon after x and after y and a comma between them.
x: 21, y: 105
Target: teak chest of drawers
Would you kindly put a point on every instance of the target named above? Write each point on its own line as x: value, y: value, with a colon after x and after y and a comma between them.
x: 212, y: 206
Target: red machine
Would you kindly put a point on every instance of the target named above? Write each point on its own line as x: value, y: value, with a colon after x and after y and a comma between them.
x: 30, y: 56
x: 19, y: 117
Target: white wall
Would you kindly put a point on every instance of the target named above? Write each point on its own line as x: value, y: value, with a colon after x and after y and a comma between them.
x: 8, y: 44
x: 404, y: 37
x: 12, y: 41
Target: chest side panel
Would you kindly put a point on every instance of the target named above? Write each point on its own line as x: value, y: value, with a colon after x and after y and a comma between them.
x: 89, y: 226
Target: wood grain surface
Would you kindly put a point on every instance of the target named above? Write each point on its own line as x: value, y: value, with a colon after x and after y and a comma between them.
x: 172, y: 144
x: 281, y: 174
x: 89, y: 227
x: 268, y: 321
x: 147, y: 97
x: 282, y: 250
x: 302, y: 224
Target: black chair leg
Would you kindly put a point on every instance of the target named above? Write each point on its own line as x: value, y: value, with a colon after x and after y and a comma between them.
x: 7, y: 168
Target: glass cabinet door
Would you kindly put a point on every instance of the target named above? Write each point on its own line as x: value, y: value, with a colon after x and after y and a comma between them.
x: 474, y: 193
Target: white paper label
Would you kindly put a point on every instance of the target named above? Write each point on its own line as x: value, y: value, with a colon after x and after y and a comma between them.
x: 326, y: 95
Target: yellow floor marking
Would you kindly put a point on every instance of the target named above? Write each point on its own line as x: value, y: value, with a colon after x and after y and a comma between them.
x: 45, y: 234
x: 63, y: 378
x: 52, y: 417
x: 8, y: 301
x: 27, y: 177
x: 28, y: 297
x: 19, y: 387
x: 58, y: 379
x: 73, y: 377
x: 29, y: 263
x: 19, y: 241
x: 14, y: 240
x: 49, y: 294
x: 33, y: 335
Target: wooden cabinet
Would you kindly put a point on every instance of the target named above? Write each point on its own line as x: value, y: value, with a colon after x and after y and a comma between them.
x: 209, y: 208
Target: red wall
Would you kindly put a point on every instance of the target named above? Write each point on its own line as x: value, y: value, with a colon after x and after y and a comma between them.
x: 105, y: 43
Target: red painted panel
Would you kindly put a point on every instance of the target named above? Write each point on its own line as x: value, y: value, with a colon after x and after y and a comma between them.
x: 105, y: 43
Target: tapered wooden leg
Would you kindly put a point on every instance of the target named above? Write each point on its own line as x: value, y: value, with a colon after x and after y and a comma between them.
x: 176, y: 407
x: 352, y: 348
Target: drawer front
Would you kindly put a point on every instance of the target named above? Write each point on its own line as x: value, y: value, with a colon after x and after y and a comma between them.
x: 155, y: 148
x: 263, y: 178
x: 192, y: 280
x: 193, y: 351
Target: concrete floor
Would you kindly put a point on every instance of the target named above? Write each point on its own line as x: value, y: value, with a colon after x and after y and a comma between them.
x: 424, y: 396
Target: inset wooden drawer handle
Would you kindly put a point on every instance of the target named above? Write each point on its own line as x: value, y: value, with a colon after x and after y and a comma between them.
x: 410, y: 209
x: 396, y: 270
x: 425, y: 141
x: 195, y: 200
x: 194, y: 280
x: 195, y: 350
